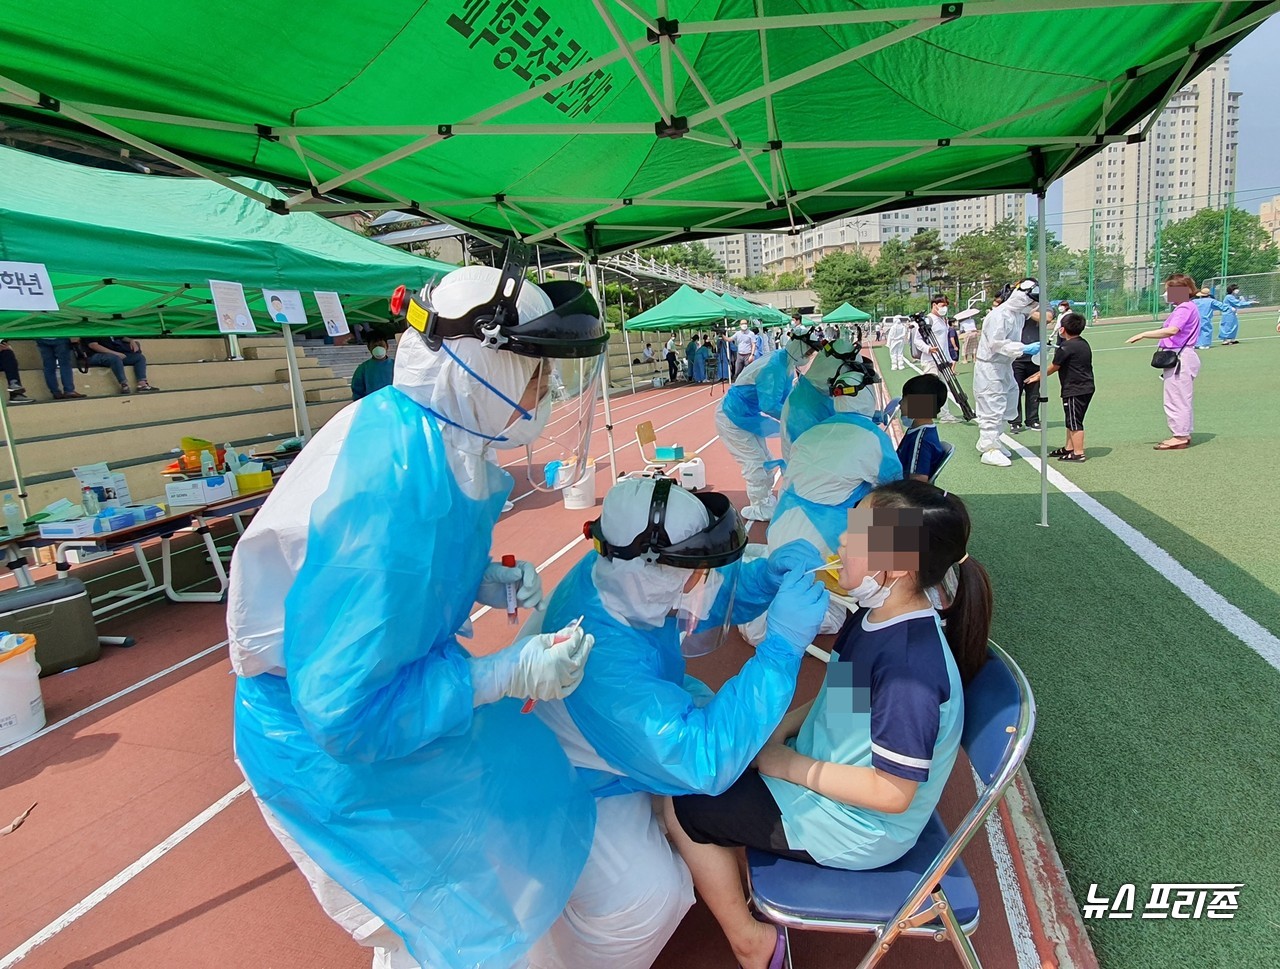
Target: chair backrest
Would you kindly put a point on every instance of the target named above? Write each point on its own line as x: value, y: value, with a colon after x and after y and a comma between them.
x: 999, y: 711
x: 950, y: 449
x: 645, y: 434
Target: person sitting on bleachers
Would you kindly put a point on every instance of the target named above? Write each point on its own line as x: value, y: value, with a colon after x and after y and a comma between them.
x: 116, y: 353
x: 375, y: 373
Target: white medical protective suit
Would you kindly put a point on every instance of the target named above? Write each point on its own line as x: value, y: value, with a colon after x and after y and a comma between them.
x: 832, y: 467
x: 748, y: 415
x: 897, y: 342
x: 435, y: 823
x: 995, y: 391
x: 638, y: 725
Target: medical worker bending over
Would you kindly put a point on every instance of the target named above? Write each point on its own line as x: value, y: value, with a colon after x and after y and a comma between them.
x: 995, y: 390
x: 833, y: 466
x: 748, y: 415
x: 434, y: 823
x: 810, y: 401
x: 664, y: 583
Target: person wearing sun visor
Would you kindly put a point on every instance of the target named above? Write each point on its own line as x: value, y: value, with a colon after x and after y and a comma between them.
x: 434, y: 823
x: 748, y: 415
x: 663, y: 581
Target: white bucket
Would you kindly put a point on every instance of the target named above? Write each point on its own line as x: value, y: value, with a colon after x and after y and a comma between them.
x: 582, y: 494
x: 21, y: 703
x: 692, y: 474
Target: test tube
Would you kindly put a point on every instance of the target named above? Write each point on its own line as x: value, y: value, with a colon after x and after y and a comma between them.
x: 513, y: 617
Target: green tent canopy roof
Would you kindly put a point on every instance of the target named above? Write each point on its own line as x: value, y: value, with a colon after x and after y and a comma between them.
x: 684, y: 308
x: 611, y: 125
x: 766, y: 315
x: 845, y: 313
x: 132, y: 254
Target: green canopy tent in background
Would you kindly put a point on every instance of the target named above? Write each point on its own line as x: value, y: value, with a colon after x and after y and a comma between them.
x: 131, y: 255
x: 684, y: 309
x: 767, y: 315
x: 845, y: 313
x: 621, y: 123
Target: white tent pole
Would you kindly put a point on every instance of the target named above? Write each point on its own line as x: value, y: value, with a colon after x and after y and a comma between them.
x: 9, y: 442
x: 301, y: 420
x: 1042, y: 389
x: 593, y: 280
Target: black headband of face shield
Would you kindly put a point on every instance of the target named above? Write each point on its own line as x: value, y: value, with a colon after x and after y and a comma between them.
x: 1029, y: 286
x: 721, y: 543
x: 572, y: 329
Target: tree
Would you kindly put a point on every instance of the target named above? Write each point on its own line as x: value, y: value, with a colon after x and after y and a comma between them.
x: 928, y: 258
x: 1194, y: 246
x: 844, y: 277
x: 983, y: 260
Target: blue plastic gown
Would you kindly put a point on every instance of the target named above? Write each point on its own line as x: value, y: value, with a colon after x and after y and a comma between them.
x: 699, y: 364
x: 722, y: 360
x: 774, y: 383
x: 463, y: 829
x: 832, y: 520
x: 807, y: 407
x: 755, y: 405
x: 1207, y: 305
x: 634, y: 707
x: 741, y: 405
x: 1229, y: 329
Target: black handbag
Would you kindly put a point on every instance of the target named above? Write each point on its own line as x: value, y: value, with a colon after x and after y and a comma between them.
x: 1164, y: 358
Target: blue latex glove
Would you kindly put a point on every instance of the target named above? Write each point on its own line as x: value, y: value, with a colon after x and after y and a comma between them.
x: 796, y: 613
x: 796, y: 556
x: 1030, y: 349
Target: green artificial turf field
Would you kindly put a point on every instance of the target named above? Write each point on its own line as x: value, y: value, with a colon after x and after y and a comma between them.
x: 1157, y: 751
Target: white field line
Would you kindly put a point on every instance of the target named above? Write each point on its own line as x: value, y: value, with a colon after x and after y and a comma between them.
x: 1015, y: 909
x: 123, y: 878
x: 111, y: 699
x: 1231, y: 618
x: 555, y: 558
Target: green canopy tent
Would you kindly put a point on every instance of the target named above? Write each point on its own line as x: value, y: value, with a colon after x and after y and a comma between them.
x: 684, y: 309
x: 767, y: 315
x: 845, y: 313
x: 132, y: 255
x: 611, y: 125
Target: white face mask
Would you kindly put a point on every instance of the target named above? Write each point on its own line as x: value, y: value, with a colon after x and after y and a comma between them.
x: 943, y: 310
x: 870, y: 594
x: 1167, y: 298
x: 379, y: 353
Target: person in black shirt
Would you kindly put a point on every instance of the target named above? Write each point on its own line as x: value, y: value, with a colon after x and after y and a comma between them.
x: 1073, y: 363
x: 1023, y: 368
x: 116, y: 353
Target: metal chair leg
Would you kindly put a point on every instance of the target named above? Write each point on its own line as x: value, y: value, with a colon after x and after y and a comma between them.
x: 961, y: 942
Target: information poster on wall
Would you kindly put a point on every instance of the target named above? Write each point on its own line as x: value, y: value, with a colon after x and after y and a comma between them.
x: 331, y: 311
x: 230, y: 307
x: 285, y: 306
x: 26, y: 286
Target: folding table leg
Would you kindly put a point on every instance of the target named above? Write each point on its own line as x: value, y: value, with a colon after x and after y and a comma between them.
x: 166, y: 560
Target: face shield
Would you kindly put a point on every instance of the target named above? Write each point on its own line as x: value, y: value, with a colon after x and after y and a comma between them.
x: 852, y: 387
x: 708, y: 559
x: 553, y: 416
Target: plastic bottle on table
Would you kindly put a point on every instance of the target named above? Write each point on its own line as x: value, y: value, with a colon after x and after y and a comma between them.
x: 231, y: 458
x: 13, y: 518
x: 208, y: 464
x: 89, y: 502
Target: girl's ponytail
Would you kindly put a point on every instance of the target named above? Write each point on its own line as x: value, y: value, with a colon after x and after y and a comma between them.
x: 968, y: 617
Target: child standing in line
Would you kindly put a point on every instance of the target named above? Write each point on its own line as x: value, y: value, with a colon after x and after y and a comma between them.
x: 850, y: 779
x: 920, y: 450
x: 1073, y: 363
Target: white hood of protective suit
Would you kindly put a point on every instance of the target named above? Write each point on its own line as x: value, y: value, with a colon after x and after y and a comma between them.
x: 638, y: 593
x: 863, y: 402
x: 825, y: 365
x: 441, y: 383
x: 832, y: 459
x: 797, y: 353
x: 1018, y: 302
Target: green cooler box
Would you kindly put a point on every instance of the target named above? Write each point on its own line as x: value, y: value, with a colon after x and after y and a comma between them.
x: 58, y: 612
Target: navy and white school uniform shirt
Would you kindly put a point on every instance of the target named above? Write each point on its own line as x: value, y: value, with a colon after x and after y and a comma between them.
x: 921, y: 451
x: 892, y: 700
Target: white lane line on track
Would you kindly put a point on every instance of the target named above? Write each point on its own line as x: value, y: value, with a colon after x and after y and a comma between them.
x: 1231, y: 618
x: 555, y: 558
x: 120, y: 880
x: 111, y: 699
x: 1015, y: 909
x: 707, y: 445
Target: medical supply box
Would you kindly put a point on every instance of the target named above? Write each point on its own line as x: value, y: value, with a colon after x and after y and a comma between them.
x: 58, y: 613
x: 71, y: 528
x: 198, y: 491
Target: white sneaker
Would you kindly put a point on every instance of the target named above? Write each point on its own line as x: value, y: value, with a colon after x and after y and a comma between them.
x: 995, y: 459
x: 946, y: 417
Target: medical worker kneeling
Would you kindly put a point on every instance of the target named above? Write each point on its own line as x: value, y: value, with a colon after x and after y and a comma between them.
x: 748, y: 415
x: 664, y: 583
x: 434, y: 823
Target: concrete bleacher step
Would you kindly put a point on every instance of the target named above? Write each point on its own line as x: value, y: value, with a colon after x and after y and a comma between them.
x: 204, y: 394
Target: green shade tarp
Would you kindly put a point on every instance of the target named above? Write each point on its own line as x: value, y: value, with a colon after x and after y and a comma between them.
x: 767, y: 315
x: 159, y: 240
x: 606, y: 126
x: 684, y: 308
x: 845, y: 313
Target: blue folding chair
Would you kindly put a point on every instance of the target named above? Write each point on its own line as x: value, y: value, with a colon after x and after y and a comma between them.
x: 950, y: 449
x: 928, y: 891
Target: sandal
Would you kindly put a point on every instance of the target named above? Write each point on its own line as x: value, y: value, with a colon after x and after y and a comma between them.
x: 1059, y: 452
x: 1072, y: 456
x: 1176, y: 446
